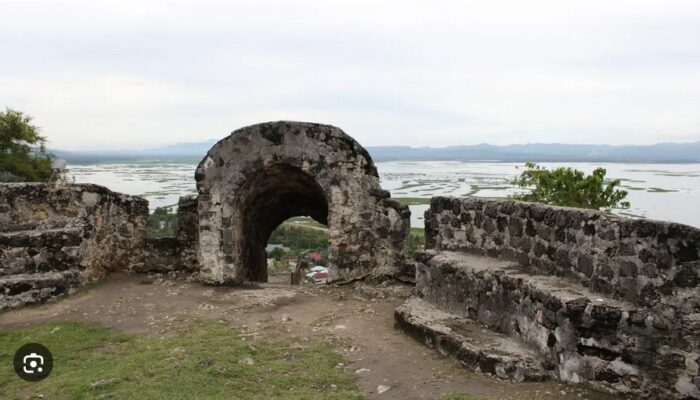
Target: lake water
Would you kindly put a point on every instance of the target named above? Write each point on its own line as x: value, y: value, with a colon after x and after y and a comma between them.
x: 669, y: 192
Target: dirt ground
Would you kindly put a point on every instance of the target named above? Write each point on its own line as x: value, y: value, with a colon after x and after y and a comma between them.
x: 377, y: 352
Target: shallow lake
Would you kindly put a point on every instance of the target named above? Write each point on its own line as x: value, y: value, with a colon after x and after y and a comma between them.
x: 669, y: 192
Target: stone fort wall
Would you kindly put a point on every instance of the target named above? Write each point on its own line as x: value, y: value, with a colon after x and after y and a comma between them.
x: 607, y: 301
x: 642, y: 261
x: 53, y: 239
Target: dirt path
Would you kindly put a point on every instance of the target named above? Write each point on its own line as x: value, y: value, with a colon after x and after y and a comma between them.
x: 378, y: 353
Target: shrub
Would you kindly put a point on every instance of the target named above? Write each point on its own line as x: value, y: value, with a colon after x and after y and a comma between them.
x: 570, y: 187
x: 23, y: 155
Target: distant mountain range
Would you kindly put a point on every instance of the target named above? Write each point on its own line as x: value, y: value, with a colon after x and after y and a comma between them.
x: 536, y: 152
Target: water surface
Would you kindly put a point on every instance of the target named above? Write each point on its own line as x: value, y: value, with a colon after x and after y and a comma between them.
x: 669, y: 192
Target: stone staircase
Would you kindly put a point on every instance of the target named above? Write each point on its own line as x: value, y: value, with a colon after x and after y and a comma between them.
x: 474, y: 346
x: 522, y: 311
x: 52, y: 240
x: 36, y: 265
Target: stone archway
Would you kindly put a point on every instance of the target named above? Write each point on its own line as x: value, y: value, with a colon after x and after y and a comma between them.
x: 262, y: 174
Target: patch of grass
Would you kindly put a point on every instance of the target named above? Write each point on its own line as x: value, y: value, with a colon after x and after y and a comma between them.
x: 326, y: 320
x: 410, y: 185
x: 413, y: 201
x: 206, y: 360
x: 659, y: 190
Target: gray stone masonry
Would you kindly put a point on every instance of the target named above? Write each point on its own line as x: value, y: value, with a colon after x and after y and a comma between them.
x: 606, y: 301
x: 53, y: 239
x: 261, y: 175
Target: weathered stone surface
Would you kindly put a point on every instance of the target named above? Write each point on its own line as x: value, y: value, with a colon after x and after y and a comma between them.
x: 261, y: 175
x: 611, y: 302
x: 636, y: 260
x: 465, y: 340
x: 73, y: 232
x: 178, y: 253
x: 21, y: 289
x: 585, y: 335
x: 39, y: 251
x: 187, y: 235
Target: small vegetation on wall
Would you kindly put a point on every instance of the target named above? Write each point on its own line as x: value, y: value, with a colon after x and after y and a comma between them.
x: 415, y: 242
x: 570, y: 187
x: 23, y: 155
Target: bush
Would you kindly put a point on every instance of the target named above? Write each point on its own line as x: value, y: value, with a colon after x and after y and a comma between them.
x: 23, y: 155
x: 569, y: 187
x: 300, y: 240
x: 415, y: 242
x: 161, y: 222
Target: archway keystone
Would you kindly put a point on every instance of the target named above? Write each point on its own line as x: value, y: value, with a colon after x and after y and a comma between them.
x: 262, y: 174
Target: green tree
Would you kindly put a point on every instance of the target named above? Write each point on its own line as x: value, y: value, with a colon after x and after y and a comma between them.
x: 23, y: 153
x: 277, y: 253
x: 570, y: 187
x: 161, y: 222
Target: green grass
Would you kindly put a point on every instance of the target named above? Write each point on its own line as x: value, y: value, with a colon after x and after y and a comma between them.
x: 417, y: 231
x: 203, y: 360
x: 413, y: 201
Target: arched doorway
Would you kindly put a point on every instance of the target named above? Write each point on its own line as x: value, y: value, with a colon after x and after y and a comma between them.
x: 269, y: 197
x: 263, y: 174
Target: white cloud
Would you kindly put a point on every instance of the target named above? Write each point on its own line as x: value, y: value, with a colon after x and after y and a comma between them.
x: 137, y: 74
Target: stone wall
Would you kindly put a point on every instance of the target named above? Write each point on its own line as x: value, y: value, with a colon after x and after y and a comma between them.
x: 187, y: 235
x: 642, y: 261
x: 68, y: 234
x: 177, y: 253
x: 606, y: 301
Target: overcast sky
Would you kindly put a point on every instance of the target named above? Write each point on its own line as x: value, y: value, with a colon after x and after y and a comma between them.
x: 142, y: 74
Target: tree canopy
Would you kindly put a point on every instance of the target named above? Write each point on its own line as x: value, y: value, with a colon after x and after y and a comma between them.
x: 570, y: 187
x: 23, y: 153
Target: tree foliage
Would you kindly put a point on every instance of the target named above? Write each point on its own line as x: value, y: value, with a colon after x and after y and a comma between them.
x: 22, y: 149
x: 570, y: 187
x: 300, y: 240
x: 161, y: 222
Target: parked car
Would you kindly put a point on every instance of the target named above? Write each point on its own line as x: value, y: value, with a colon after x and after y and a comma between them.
x: 319, y: 277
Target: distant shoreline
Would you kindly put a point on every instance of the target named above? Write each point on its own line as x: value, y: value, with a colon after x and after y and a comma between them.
x: 661, y: 153
x: 196, y: 160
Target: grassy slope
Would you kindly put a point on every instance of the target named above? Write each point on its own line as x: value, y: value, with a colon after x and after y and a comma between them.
x: 206, y: 360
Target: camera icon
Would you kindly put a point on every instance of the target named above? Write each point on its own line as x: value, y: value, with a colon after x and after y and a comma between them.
x: 33, y: 363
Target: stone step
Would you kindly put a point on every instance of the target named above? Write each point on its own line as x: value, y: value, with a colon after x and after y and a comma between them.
x: 22, y: 289
x: 53, y: 238
x: 608, y: 344
x: 35, y: 251
x: 474, y: 346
